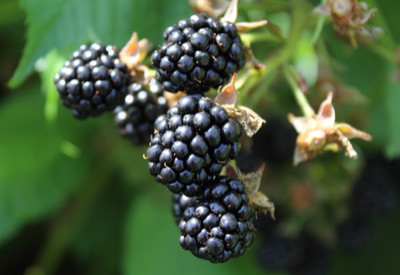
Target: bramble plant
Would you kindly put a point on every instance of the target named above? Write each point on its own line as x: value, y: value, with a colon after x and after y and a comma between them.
x: 206, y: 103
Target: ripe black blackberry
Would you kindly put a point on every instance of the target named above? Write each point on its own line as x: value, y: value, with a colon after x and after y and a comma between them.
x: 276, y: 252
x: 179, y: 203
x: 143, y: 104
x: 274, y: 144
x: 94, y: 80
x: 200, y: 53
x: 375, y: 193
x: 312, y: 257
x: 191, y: 144
x: 353, y: 234
x: 218, y: 225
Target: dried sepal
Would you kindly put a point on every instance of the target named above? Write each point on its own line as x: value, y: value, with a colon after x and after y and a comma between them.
x: 228, y: 94
x: 172, y: 98
x: 350, y: 19
x: 252, y: 181
x: 262, y: 204
x: 231, y: 13
x: 249, y: 119
x: 211, y: 7
x: 320, y: 132
x: 132, y: 55
x: 252, y: 60
x: 248, y: 26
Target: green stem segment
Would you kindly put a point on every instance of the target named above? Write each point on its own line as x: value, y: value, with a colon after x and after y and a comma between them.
x: 298, y: 93
x: 298, y: 24
x: 318, y: 27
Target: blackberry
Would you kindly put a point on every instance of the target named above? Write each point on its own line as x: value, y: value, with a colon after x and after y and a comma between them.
x: 200, y: 53
x: 353, y: 234
x: 179, y: 203
x: 191, y: 144
x: 274, y: 144
x: 143, y: 104
x: 276, y: 252
x: 218, y: 225
x: 312, y: 256
x: 93, y: 80
x: 374, y: 193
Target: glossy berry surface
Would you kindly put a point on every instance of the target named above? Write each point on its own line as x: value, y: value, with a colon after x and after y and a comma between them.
x: 179, y: 203
x: 142, y: 105
x: 276, y: 252
x: 218, y: 225
x: 92, y: 81
x: 199, y: 53
x: 354, y: 234
x: 191, y: 144
x: 375, y: 194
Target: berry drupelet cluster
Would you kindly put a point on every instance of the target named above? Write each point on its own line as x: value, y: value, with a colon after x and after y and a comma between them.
x: 199, y: 53
x: 142, y: 105
x: 93, y: 80
x: 191, y: 144
x: 218, y: 224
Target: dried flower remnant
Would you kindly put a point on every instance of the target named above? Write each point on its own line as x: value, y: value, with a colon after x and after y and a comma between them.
x: 320, y: 132
x: 212, y: 7
x: 249, y: 119
x: 252, y: 182
x: 350, y: 18
x: 132, y: 55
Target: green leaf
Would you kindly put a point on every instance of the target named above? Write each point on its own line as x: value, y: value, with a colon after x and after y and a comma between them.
x: 65, y: 24
x: 152, y: 246
x: 35, y: 176
x: 306, y: 61
x: 392, y: 100
x: 47, y: 68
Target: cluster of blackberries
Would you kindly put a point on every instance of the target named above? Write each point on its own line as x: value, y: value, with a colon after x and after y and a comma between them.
x: 196, y: 138
x: 191, y: 145
x: 199, y: 53
x: 192, y: 141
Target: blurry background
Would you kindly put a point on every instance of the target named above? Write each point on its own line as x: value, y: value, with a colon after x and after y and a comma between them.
x: 75, y: 198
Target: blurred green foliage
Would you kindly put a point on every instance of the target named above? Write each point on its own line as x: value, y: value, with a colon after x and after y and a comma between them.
x: 86, y: 193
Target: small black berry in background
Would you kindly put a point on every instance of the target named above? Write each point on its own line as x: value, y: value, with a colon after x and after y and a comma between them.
x: 276, y: 252
x: 218, y: 225
x: 200, y: 53
x: 273, y: 144
x: 353, y: 234
x: 135, y: 117
x: 94, y: 80
x: 312, y: 257
x: 191, y: 144
x: 374, y: 193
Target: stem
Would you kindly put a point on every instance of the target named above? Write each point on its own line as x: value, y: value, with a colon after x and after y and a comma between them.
x: 299, y: 18
x: 318, y: 27
x: 384, y: 52
x: 249, y: 38
x: 297, y: 92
